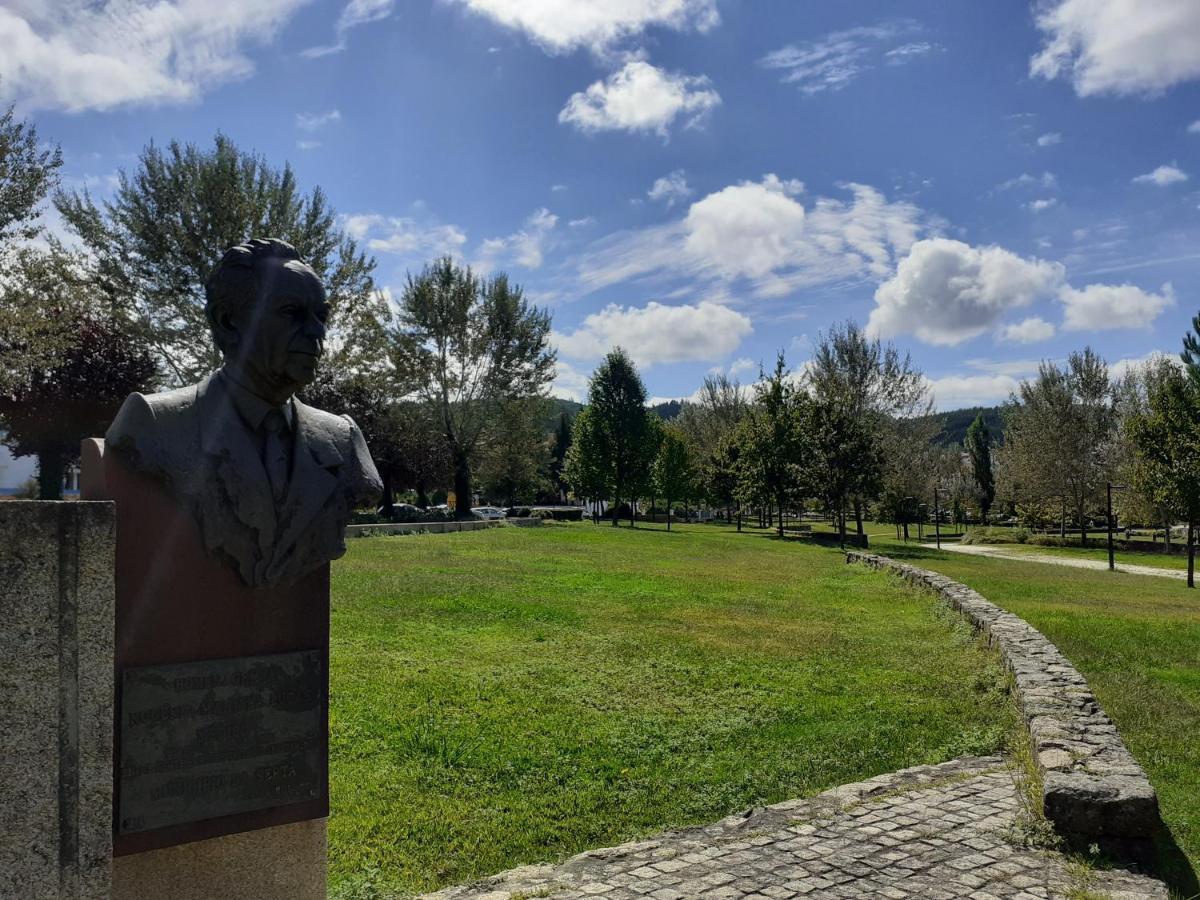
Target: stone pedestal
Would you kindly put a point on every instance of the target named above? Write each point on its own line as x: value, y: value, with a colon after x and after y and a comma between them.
x: 287, y: 862
x: 176, y: 605
x: 56, y: 681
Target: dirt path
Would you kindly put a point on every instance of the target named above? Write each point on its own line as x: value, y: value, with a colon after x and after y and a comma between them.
x: 1094, y: 564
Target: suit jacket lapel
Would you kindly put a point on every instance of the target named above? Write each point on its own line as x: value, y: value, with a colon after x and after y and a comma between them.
x: 314, y: 454
x: 224, y: 435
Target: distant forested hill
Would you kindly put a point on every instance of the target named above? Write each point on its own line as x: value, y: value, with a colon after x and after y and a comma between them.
x: 954, y: 424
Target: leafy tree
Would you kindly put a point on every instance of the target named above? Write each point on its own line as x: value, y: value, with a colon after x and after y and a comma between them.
x: 674, y: 478
x: 771, y: 442
x: 624, y: 435
x: 719, y: 474
x: 468, y: 347
x: 585, y: 468
x: 844, y: 457
x: 167, y: 225
x: 68, y: 384
x: 516, y: 459
x: 978, y: 444
x: 558, y: 455
x: 1059, y: 435
x: 28, y: 172
x: 1167, y: 438
x: 1191, y: 351
x: 413, y: 449
x: 876, y: 384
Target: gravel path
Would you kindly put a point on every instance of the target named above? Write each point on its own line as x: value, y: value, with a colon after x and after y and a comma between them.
x: 1094, y: 564
x: 944, y: 831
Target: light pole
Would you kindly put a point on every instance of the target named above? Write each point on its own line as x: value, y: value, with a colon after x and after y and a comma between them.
x: 937, y: 518
x: 1112, y: 565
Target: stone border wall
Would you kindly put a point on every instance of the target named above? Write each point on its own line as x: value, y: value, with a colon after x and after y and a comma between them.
x: 1093, y: 790
x: 420, y: 527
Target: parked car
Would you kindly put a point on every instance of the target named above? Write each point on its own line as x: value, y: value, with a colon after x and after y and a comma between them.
x: 488, y: 512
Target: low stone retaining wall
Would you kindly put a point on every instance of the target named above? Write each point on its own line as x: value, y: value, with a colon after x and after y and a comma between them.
x: 1093, y: 790
x: 419, y: 527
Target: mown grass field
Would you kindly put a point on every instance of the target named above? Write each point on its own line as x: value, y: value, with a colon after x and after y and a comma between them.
x: 1137, y: 641
x: 519, y: 695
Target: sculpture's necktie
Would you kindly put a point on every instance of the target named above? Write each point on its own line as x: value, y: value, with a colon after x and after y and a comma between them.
x: 275, y: 453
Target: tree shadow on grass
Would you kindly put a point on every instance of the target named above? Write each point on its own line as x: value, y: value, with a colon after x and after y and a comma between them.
x: 1171, y: 864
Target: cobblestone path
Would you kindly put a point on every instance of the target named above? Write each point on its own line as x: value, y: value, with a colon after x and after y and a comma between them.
x: 944, y: 831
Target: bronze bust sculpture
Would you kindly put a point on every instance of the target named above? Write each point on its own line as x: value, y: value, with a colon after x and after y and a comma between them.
x: 270, y: 481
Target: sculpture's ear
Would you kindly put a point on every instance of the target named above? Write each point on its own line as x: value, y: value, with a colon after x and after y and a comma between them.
x: 226, y: 332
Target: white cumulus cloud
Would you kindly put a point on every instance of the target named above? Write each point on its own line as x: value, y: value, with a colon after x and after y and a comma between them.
x: 762, y: 232
x: 1027, y: 331
x: 1194, y: 128
x: 1119, y: 46
x: 1042, y: 204
x: 946, y: 292
x: 672, y: 188
x: 657, y: 333
x: 77, y: 55
x: 1162, y: 176
x: 1049, y: 139
x: 959, y: 391
x: 640, y: 97
x: 1103, y: 307
x: 559, y: 26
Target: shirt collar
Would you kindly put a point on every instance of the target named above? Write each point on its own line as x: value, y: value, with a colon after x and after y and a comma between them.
x: 251, y: 407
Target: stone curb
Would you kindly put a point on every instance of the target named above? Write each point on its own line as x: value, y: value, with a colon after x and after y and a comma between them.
x: 1093, y: 790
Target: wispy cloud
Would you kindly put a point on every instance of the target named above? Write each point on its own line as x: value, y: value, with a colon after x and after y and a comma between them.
x: 835, y: 60
x: 353, y: 15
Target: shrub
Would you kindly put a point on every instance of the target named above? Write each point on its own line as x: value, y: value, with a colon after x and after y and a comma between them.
x: 996, y: 536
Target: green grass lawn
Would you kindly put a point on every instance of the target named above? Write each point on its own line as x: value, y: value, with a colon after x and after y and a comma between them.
x: 1134, y: 557
x: 518, y: 695
x: 1137, y: 641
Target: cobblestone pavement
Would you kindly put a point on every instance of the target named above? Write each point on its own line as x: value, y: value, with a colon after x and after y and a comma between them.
x: 930, y: 832
x: 1096, y: 565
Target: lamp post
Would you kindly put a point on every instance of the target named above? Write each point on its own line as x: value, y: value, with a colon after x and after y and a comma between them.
x: 1112, y: 565
x: 937, y: 518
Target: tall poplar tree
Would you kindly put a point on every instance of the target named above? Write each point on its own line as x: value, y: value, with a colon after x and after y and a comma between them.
x: 978, y: 443
x: 625, y: 436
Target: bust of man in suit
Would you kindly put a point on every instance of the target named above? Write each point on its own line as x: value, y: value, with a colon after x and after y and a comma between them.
x: 270, y: 481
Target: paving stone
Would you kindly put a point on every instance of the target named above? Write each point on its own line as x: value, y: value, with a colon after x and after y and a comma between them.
x: 841, y: 858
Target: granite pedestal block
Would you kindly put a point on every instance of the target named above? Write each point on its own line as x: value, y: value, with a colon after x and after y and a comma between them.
x: 56, y: 681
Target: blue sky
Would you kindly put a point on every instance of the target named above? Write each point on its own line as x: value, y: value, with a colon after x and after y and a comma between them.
x: 985, y: 183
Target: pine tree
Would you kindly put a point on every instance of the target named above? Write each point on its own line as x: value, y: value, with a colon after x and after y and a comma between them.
x: 978, y: 443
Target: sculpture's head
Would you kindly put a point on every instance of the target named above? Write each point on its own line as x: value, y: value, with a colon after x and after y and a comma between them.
x: 267, y: 310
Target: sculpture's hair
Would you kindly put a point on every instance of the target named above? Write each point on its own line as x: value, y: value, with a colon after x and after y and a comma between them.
x: 235, y: 281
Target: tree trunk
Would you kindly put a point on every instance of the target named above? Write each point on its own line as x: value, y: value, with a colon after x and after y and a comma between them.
x: 858, y: 515
x: 616, y: 511
x: 462, y: 486
x: 668, y: 514
x: 739, y: 520
x: 51, y: 468
x: 1062, y: 525
x: 1167, y: 535
x: 422, y: 495
x: 781, y: 517
x: 1082, y: 528
x: 1191, y: 550
x: 906, y: 532
x: 389, y: 494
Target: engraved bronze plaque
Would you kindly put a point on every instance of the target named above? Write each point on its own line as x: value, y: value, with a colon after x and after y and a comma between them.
x: 206, y: 739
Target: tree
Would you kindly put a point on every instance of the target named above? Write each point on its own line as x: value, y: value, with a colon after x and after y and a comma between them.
x: 624, y: 435
x: 1191, y: 351
x: 69, y: 385
x: 585, y: 468
x: 873, y: 382
x: 468, y: 347
x: 28, y: 172
x: 771, y: 439
x: 844, y: 457
x: 167, y: 225
x: 1059, y: 435
x: 674, y: 478
x: 558, y: 455
x: 1167, y: 438
x: 516, y: 458
x: 978, y: 443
